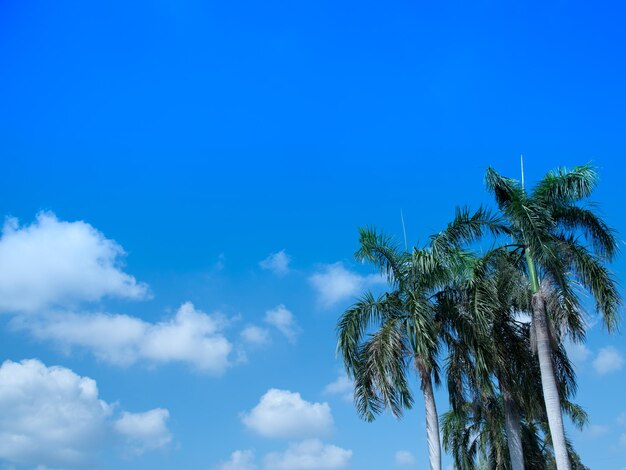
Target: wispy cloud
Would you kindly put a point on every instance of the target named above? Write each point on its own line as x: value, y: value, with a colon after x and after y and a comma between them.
x: 404, y: 458
x: 239, y: 460
x: 278, y: 263
x: 597, y: 430
x: 342, y: 386
x: 255, y: 335
x: 284, y: 321
x: 608, y: 360
x: 311, y: 454
x: 577, y: 352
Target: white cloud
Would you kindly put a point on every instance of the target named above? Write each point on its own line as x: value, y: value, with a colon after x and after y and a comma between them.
x: 334, y: 284
x: 278, y: 263
x: 49, y: 416
x: 284, y: 321
x: 52, y: 263
x: 52, y: 417
x: 191, y: 337
x: 145, y: 431
x: 113, y: 338
x: 281, y: 413
x: 608, y: 360
x: 342, y: 386
x: 255, y: 335
x: 404, y: 457
x: 239, y: 460
x: 310, y: 454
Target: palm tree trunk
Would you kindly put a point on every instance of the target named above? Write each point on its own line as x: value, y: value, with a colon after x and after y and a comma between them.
x: 432, y: 419
x: 513, y: 427
x: 548, y: 382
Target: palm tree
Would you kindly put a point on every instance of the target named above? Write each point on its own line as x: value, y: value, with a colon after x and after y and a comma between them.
x: 497, y: 416
x: 566, y: 246
x: 486, y: 340
x: 475, y: 436
x: 382, y: 338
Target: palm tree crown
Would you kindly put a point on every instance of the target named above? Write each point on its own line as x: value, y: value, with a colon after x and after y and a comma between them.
x: 509, y: 381
x: 566, y: 246
x: 382, y: 338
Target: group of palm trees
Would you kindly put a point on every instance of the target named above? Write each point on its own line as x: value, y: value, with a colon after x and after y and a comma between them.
x: 493, y: 324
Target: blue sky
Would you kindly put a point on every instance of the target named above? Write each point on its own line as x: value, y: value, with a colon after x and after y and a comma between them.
x: 180, y: 144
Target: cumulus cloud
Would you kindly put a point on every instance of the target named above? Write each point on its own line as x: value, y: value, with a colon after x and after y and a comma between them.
x: 278, y: 263
x: 52, y: 417
x: 239, y: 460
x: 404, y: 457
x: 281, y: 413
x: 56, y: 263
x: 49, y: 416
x: 334, y: 284
x: 255, y: 335
x: 608, y: 360
x: 283, y: 320
x: 145, y: 431
x: 342, y: 386
x: 191, y: 337
x: 310, y: 454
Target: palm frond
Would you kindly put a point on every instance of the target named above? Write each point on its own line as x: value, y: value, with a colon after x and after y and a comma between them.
x: 506, y: 191
x: 383, y: 253
x: 459, y: 433
x: 601, y: 236
x: 564, y: 310
x: 467, y: 227
x: 563, y: 185
x: 595, y: 277
x: 355, y: 321
x: 381, y: 379
x: 577, y: 414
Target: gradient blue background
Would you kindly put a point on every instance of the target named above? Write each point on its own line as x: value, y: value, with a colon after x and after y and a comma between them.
x: 189, y: 130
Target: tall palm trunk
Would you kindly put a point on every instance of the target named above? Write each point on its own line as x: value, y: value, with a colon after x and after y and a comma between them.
x: 548, y: 379
x: 513, y: 426
x: 432, y: 419
x: 548, y: 382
